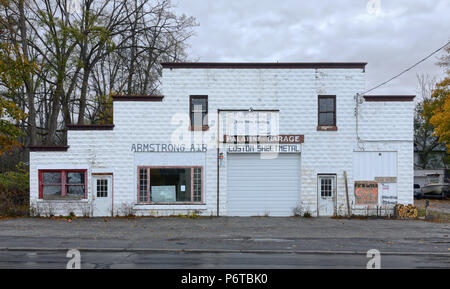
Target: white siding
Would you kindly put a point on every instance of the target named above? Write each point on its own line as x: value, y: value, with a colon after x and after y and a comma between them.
x: 368, y: 165
x: 383, y: 126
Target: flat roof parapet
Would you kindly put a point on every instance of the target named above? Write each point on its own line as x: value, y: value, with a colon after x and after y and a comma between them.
x: 90, y: 127
x: 156, y: 98
x: 266, y: 65
x: 48, y: 148
x: 389, y: 97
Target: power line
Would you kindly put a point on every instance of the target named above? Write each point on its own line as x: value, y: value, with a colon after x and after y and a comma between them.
x: 406, y: 70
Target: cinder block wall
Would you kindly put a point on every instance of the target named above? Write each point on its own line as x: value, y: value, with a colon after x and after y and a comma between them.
x: 293, y: 91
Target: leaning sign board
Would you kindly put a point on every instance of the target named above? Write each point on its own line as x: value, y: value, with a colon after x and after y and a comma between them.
x: 366, y: 193
x: 387, y: 187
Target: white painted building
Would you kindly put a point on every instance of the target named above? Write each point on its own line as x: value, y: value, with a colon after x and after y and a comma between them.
x: 198, y: 147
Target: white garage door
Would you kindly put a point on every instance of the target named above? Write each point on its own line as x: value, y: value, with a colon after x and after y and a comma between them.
x: 258, y: 187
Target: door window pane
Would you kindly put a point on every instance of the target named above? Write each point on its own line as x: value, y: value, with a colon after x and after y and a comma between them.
x: 326, y: 187
x: 102, y: 188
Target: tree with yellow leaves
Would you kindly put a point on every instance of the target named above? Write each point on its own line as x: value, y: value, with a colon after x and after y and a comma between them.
x: 437, y: 109
x: 440, y: 107
x: 11, y: 67
x: 104, y: 109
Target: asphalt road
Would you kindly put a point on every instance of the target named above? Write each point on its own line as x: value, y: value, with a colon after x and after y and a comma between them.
x: 241, y: 243
x: 170, y: 260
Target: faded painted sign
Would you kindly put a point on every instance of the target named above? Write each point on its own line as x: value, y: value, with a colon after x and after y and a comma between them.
x: 264, y: 148
x: 282, y: 139
x: 168, y: 148
x: 366, y: 193
x: 386, y: 179
x: 388, y: 192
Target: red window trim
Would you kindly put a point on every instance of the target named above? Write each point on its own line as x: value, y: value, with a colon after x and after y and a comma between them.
x: 63, y: 183
x: 169, y: 167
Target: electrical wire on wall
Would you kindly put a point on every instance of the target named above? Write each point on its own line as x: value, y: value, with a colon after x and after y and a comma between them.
x: 408, y: 69
x: 359, y: 101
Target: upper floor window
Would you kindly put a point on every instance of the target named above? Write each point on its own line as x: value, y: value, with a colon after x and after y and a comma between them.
x: 327, y: 112
x: 199, y: 112
x: 62, y: 184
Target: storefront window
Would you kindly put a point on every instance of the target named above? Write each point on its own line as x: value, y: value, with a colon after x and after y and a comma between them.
x: 143, y: 186
x: 62, y: 184
x: 197, y: 184
x: 170, y: 185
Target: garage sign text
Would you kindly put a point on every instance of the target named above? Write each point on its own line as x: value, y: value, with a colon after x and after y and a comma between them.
x: 261, y: 148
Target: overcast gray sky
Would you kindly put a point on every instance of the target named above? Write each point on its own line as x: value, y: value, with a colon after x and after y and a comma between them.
x: 390, y: 39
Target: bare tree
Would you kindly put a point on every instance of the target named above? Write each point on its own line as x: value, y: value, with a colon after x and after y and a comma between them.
x: 83, y: 56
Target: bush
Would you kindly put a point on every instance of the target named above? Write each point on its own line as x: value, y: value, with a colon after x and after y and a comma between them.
x: 14, y: 192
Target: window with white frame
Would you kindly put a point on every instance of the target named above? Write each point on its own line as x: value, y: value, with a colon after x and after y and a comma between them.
x: 170, y: 185
x: 102, y: 188
x: 326, y: 186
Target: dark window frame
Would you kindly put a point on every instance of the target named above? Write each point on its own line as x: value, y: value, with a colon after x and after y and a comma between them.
x: 319, y: 125
x: 63, y: 182
x: 148, y: 185
x: 204, y: 118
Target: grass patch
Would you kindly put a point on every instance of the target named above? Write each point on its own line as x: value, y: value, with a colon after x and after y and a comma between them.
x: 438, y: 217
x: 421, y: 212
